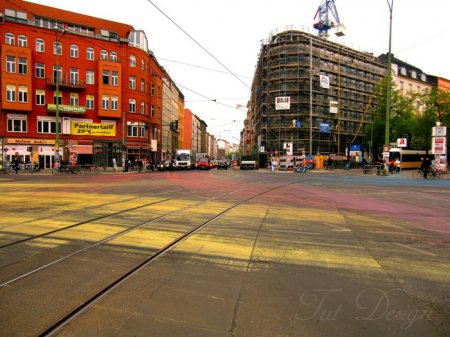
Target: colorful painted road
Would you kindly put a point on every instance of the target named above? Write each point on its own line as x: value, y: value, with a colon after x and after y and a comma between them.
x: 224, y: 253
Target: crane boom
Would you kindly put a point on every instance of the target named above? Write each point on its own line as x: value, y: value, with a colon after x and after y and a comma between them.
x: 325, y: 24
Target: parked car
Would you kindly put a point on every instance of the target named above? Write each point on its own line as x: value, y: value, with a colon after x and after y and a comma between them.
x: 204, y: 164
x: 222, y: 164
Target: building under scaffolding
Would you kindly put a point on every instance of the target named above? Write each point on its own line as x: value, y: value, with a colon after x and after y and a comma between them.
x: 309, y: 96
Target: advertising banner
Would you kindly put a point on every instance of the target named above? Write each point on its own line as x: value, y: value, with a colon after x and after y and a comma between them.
x: 325, y: 81
x: 93, y: 129
x: 282, y: 103
x: 333, y: 107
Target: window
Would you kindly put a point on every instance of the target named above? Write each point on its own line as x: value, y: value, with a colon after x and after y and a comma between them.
x: 142, y: 85
x: 10, y: 39
x: 23, y: 66
x: 132, y: 129
x: 10, y: 64
x: 10, y: 93
x: 74, y: 50
x: 90, y: 102
x: 57, y: 97
x: 142, y: 64
x: 105, y: 102
x: 74, y: 99
x: 57, y: 48
x: 57, y: 73
x: 105, y: 77
x: 132, y: 105
x: 115, y: 78
x: 152, y: 111
x: 90, y: 54
x: 413, y: 74
x: 46, y: 125
x: 132, y: 83
x: 40, y: 45
x: 40, y: 97
x: 153, y: 90
x: 17, y: 124
x: 114, y: 102
x: 132, y: 61
x: 104, y: 55
x: 90, y: 77
x: 22, y: 41
x: 142, y: 108
x: 142, y: 131
x: 23, y: 94
x: 74, y: 76
x: 113, y: 56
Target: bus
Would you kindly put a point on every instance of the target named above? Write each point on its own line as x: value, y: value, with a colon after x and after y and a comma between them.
x: 410, y: 159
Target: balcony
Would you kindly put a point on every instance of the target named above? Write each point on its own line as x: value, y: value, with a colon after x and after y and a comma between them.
x: 65, y: 83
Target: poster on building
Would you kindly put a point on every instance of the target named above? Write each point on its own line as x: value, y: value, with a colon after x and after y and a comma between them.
x: 282, y: 103
x: 93, y: 129
x: 333, y: 107
x: 324, y: 127
x: 288, y: 148
x: 324, y: 81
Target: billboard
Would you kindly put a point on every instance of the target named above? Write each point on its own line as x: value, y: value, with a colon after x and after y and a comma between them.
x: 282, y: 103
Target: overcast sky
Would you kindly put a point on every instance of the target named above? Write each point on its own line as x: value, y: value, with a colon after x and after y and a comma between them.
x: 232, y: 31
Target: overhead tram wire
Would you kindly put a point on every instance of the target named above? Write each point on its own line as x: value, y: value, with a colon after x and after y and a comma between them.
x: 206, y: 50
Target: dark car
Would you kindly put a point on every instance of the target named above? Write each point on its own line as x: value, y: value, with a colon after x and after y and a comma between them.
x: 204, y: 164
x: 222, y: 164
x: 166, y: 165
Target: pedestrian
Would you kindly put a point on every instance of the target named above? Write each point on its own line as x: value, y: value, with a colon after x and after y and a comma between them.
x: 16, y: 165
x: 274, y: 165
x: 397, y: 165
x: 425, y: 166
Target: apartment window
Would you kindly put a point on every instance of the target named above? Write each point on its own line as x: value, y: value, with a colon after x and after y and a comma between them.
x: 104, y: 55
x: 105, y: 77
x: 115, y: 78
x: 113, y: 56
x: 74, y: 76
x: 142, y: 131
x: 74, y: 99
x: 152, y: 111
x: 46, y: 125
x: 132, y: 129
x: 132, y: 83
x: 132, y: 61
x: 90, y: 77
x: 90, y: 54
x: 142, y: 85
x: 132, y: 105
x: 57, y: 97
x: 40, y: 45
x: 114, y: 102
x: 23, y: 94
x: 22, y: 41
x: 153, y: 90
x: 10, y: 93
x: 74, y: 50
x: 40, y: 97
x: 90, y: 102
x: 23, y: 66
x: 57, y: 48
x: 105, y: 102
x: 142, y: 107
x: 57, y: 73
x: 10, y: 39
x: 401, y: 85
x: 142, y: 64
x: 10, y: 64
x: 17, y: 124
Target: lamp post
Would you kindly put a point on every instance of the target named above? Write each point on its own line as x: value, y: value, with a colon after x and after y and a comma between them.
x: 389, y: 77
x: 57, y: 130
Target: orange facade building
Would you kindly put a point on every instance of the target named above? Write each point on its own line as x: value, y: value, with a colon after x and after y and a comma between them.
x: 96, y: 78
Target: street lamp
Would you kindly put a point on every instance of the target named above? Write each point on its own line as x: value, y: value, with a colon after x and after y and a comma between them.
x: 389, y: 77
x: 57, y: 130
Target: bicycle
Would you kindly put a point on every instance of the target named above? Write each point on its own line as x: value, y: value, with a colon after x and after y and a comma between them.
x: 431, y: 174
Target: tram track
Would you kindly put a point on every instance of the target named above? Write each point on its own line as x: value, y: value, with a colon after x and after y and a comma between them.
x: 75, y: 312
x: 72, y: 309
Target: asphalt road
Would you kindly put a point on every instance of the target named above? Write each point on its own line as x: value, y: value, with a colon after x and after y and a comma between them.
x: 224, y: 253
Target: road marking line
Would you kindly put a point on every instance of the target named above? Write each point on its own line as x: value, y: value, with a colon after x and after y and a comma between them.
x: 338, y: 228
x: 416, y: 249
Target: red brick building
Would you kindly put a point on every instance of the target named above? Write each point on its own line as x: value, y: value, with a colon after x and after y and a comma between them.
x: 96, y: 77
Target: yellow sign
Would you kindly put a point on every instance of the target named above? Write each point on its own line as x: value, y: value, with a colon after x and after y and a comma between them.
x: 93, y: 129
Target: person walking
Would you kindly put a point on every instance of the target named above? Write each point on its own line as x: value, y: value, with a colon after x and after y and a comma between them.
x: 425, y: 166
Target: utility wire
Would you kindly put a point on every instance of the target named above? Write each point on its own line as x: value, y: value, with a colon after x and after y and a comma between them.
x: 215, y: 58
x: 201, y: 67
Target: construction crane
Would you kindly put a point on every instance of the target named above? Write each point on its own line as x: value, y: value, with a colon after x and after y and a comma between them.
x: 325, y: 24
